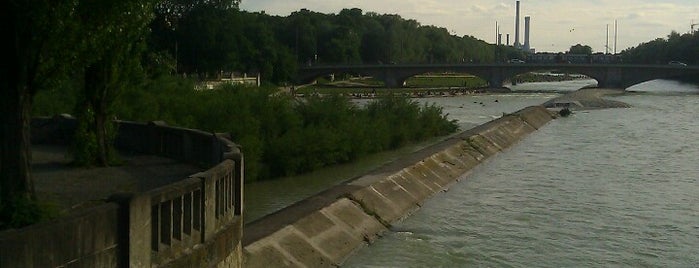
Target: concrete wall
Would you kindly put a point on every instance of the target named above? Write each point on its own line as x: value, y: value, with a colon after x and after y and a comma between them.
x: 324, y: 230
x: 195, y: 222
x: 89, y: 238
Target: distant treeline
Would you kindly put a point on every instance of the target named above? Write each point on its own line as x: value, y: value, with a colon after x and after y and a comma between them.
x: 676, y: 47
x: 208, y: 39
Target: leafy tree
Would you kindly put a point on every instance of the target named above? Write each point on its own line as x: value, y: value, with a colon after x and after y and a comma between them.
x: 169, y: 12
x: 43, y: 46
x: 580, y: 49
x: 53, y: 43
x: 208, y: 39
x: 169, y: 15
x: 679, y: 47
x: 116, y: 31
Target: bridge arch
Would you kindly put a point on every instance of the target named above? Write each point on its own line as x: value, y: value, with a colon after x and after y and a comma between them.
x: 607, y: 75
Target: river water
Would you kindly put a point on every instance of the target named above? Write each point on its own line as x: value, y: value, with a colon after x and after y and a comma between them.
x: 602, y: 188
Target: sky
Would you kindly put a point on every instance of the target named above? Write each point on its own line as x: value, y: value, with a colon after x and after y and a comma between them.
x: 556, y: 25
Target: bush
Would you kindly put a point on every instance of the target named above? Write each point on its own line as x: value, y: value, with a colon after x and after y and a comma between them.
x: 24, y: 211
x: 281, y: 136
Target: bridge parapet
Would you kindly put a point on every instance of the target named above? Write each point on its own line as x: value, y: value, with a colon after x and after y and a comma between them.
x: 194, y: 222
x: 607, y: 75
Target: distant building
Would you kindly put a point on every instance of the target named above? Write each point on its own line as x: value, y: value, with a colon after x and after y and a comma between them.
x: 230, y: 78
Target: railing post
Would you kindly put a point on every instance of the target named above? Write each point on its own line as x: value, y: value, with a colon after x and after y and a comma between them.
x: 155, y: 141
x: 208, y: 204
x: 137, y: 235
x: 239, y: 185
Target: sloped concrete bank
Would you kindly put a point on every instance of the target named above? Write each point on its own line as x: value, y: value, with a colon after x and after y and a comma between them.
x: 323, y: 230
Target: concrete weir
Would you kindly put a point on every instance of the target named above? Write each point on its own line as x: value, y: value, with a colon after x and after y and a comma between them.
x: 323, y: 230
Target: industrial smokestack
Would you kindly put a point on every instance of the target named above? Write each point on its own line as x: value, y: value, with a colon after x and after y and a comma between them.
x: 616, y: 31
x: 527, y: 19
x: 508, y: 40
x: 517, y: 44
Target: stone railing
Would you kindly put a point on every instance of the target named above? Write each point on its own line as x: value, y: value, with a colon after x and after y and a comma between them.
x: 194, y: 222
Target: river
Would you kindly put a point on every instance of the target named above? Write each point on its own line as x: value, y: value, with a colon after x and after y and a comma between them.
x: 602, y: 188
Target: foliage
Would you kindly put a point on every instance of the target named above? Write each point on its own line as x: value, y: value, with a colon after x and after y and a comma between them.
x: 20, y: 212
x: 44, y: 45
x: 208, y: 40
x: 116, y: 31
x: 283, y: 136
x: 580, y: 49
x: 676, y: 47
x: 446, y: 81
x: 85, y: 145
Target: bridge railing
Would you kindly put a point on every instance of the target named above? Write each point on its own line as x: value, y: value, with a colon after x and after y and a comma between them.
x: 176, y: 218
x: 196, y: 221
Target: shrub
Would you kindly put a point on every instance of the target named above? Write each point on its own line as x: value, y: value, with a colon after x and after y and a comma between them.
x: 282, y: 136
x: 23, y: 211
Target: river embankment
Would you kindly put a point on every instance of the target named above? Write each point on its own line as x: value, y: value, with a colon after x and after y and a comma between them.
x: 325, y: 229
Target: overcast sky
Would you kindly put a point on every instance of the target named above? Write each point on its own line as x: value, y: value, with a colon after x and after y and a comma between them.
x: 555, y: 24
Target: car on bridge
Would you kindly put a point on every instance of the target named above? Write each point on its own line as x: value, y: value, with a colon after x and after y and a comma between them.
x: 674, y: 62
x: 518, y: 61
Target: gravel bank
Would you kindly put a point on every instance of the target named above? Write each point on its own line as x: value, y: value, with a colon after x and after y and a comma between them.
x: 588, y: 98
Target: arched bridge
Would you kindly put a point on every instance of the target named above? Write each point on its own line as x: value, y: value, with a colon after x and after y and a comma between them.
x: 607, y: 75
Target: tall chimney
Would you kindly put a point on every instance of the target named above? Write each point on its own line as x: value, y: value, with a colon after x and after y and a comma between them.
x: 508, y: 40
x: 616, y: 31
x: 517, y: 44
x: 527, y: 19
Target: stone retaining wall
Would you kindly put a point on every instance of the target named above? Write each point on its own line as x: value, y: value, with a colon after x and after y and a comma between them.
x: 324, y: 230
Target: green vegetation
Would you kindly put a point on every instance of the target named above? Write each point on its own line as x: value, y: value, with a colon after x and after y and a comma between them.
x: 208, y: 40
x: 580, y: 49
x: 463, y: 81
x: 281, y: 136
x: 23, y: 211
x: 540, y: 77
x: 676, y: 47
x: 414, y: 85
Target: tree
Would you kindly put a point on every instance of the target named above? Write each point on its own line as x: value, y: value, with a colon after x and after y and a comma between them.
x: 580, y: 49
x: 42, y: 49
x: 116, y: 31
x: 193, y: 15
x: 679, y: 47
x: 51, y: 41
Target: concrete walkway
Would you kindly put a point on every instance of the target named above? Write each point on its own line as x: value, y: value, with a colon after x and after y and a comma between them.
x: 70, y: 187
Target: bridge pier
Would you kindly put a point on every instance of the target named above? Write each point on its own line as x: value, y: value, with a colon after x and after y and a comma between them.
x: 495, y: 82
x: 392, y: 82
x: 612, y: 78
x: 495, y: 76
x: 392, y: 78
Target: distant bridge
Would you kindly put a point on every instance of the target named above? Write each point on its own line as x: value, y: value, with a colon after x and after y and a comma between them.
x: 607, y: 75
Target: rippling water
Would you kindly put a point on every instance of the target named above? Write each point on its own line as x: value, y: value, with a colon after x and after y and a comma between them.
x: 604, y: 188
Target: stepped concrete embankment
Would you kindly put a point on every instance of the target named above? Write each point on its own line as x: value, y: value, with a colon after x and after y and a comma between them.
x: 323, y: 230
